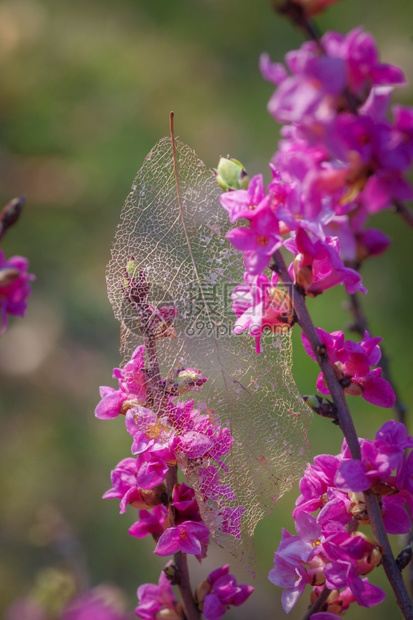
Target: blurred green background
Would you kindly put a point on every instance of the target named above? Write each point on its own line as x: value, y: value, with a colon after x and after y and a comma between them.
x: 86, y: 91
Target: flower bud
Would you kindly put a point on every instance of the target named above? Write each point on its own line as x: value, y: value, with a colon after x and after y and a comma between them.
x: 202, y: 590
x: 153, y: 497
x: 322, y: 407
x: 358, y: 508
x: 8, y: 276
x: 169, y: 614
x: 313, y: 7
x: 231, y: 174
x: 185, y: 380
x: 132, y: 269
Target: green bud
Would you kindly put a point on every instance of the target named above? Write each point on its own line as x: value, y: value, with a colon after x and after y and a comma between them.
x: 132, y: 269
x: 231, y: 174
x: 322, y: 406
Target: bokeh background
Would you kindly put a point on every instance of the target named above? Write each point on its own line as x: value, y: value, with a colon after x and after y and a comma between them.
x: 86, y: 89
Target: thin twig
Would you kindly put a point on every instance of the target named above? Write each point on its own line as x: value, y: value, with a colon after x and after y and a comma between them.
x: 346, y: 423
x: 318, y: 603
x: 180, y: 558
x: 404, y: 212
x: 297, y: 15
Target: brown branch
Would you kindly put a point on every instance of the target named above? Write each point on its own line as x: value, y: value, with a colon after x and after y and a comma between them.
x: 318, y: 603
x: 297, y: 15
x: 180, y: 559
x: 346, y: 423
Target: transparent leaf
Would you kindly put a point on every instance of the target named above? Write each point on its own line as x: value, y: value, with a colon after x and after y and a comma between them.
x: 189, y: 264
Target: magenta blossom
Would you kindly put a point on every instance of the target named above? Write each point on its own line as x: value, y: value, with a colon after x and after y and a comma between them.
x: 97, y: 604
x: 14, y: 287
x: 150, y: 522
x: 137, y: 482
x: 189, y: 537
x: 352, y: 362
x: 318, y: 80
x: 258, y: 242
x: 125, y: 487
x: 318, y: 266
x: 260, y: 306
x: 184, y: 503
x: 246, y: 202
x: 224, y: 591
x: 131, y: 392
x: 153, y: 599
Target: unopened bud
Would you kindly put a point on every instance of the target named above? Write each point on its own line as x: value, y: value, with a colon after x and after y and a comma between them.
x: 8, y: 276
x: 189, y: 379
x: 322, y: 406
x: 150, y: 497
x: 169, y: 614
x: 303, y: 276
x: 132, y: 269
x: 202, y: 590
x: 313, y: 7
x: 358, y: 508
x: 171, y: 572
x: 231, y: 174
x: 11, y: 212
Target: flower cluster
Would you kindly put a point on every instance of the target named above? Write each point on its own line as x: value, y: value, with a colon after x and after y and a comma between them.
x: 351, y: 362
x: 341, y: 159
x: 14, y: 287
x: 182, y: 433
x: 219, y: 591
x: 324, y: 552
x: 154, y: 599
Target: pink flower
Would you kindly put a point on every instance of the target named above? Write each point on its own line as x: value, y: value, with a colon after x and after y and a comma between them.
x: 315, y: 483
x: 189, y: 537
x: 349, y: 557
x: 313, y: 7
x: 258, y: 242
x: 224, y: 592
x: 246, y: 202
x: 14, y: 287
x: 153, y: 599
x: 131, y: 392
x: 137, y: 481
x: 209, y: 485
x: 125, y: 487
x: 261, y: 306
x: 352, y: 362
x: 318, y: 266
x: 317, y: 80
x: 91, y: 605
x: 293, y: 553
x: 150, y: 522
x: 184, y: 504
